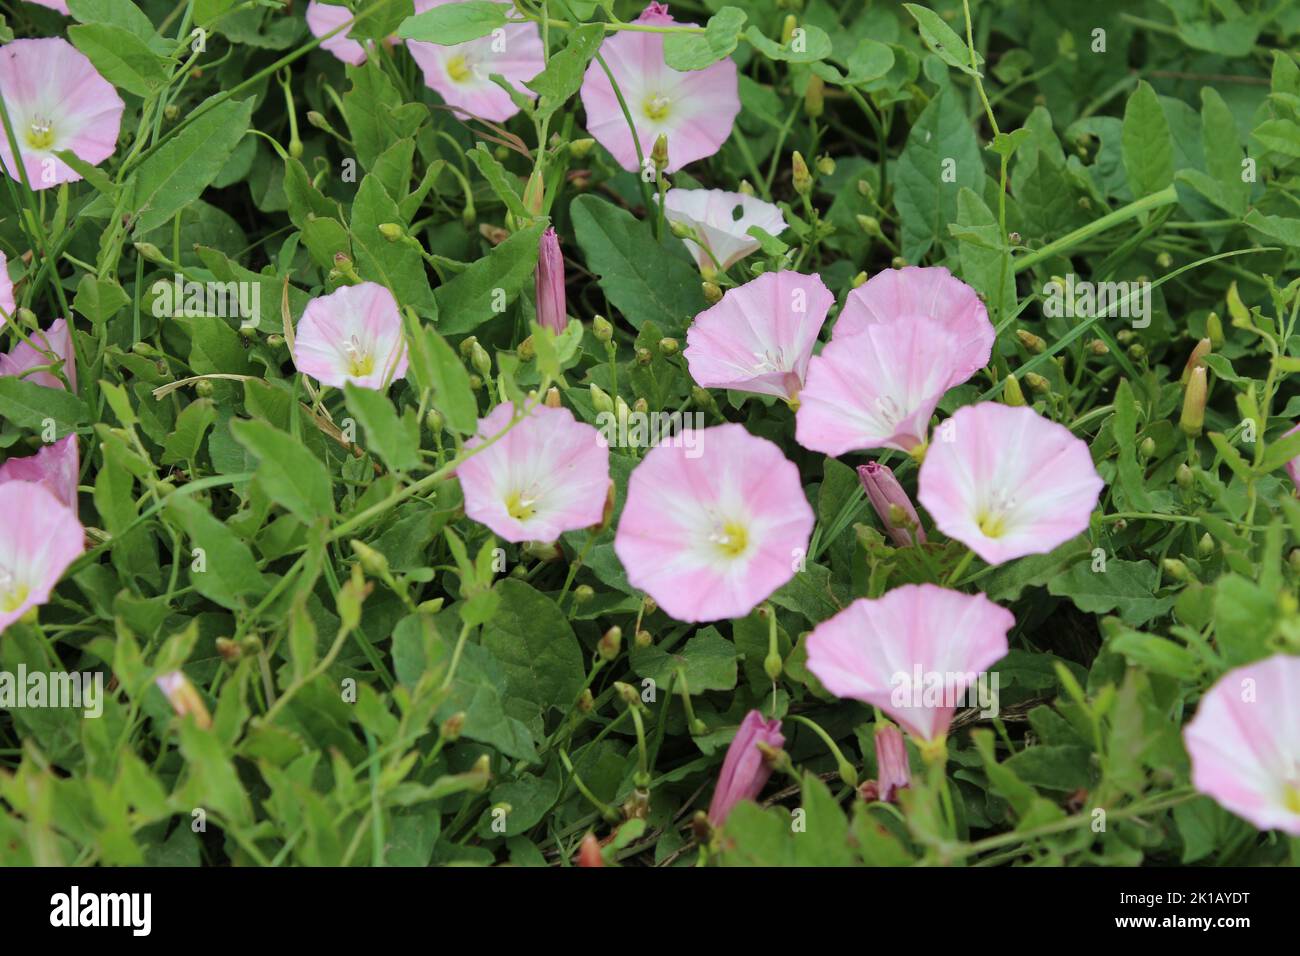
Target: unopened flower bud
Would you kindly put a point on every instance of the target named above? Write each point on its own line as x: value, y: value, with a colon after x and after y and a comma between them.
x: 1147, y: 448
x: 1011, y: 393
x: 1176, y: 569
x: 481, y: 361
x: 659, y: 153
x: 372, y: 562
x: 826, y: 165
x: 552, y: 399
x: 391, y: 231
x: 1037, y: 383
x: 184, y: 698
x: 610, y: 643
x: 586, y: 701
x: 434, y: 421
x: 600, y: 399
x: 1196, y: 359
x: 1214, y: 330
x: 814, y: 96
x: 1098, y: 347
x: 602, y: 329
x: 583, y: 593
x: 1205, y: 546
x: 1184, y: 477
x: 1192, y: 420
x: 643, y: 638
x: 668, y: 346
x: 1033, y: 343
x: 859, y: 280
x: 802, y: 178
x: 712, y: 292
x: 450, y: 728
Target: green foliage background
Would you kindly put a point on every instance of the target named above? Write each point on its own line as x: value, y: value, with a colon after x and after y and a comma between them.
x: 1115, y: 156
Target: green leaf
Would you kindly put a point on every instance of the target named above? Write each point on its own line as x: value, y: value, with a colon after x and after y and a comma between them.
x: 290, y: 475
x: 484, y: 289
x: 1148, y: 148
x: 940, y: 157
x: 1125, y: 426
x: 225, y: 571
x: 942, y: 40
x: 397, y: 265
x: 120, y: 56
x: 1279, y: 453
x: 175, y: 175
x: 504, y: 184
x: 696, y: 51
x: 565, y: 70
x: 28, y: 405
x: 708, y: 659
x: 455, y: 22
x: 1125, y: 586
x: 643, y: 279
x: 435, y: 365
x: 531, y: 638
x: 99, y: 299
x: 807, y: 45
x: 192, y: 424
x: 391, y: 438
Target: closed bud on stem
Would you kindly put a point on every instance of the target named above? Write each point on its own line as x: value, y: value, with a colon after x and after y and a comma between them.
x: 434, y: 420
x: 868, y: 224
x: 1147, y: 448
x: 826, y: 165
x: 1164, y: 260
x: 476, y: 382
x: 527, y: 350
x: 668, y: 346
x: 1214, y: 330
x: 229, y: 650
x: 644, y: 638
x: 1033, y: 343
x: 610, y: 643
x: 151, y: 252
x: 1193, y: 418
x: 600, y: 399
x: 1037, y: 383
x: 627, y: 693
x: 372, y: 562
x: 1137, y: 351
x: 1098, y: 347
x: 640, y: 406
x: 586, y: 701
x: 681, y: 230
x: 787, y: 29
x: 801, y: 176
x: 659, y: 154
x: 552, y: 399
x: 859, y: 280
x: 891, y: 504
x: 644, y: 356
x: 583, y: 593
x: 534, y: 193
x: 814, y: 97
x: 579, y: 148
x: 746, y: 188
x: 481, y: 361
x: 1196, y: 359
x: 543, y: 550
x: 1176, y: 569
x: 1205, y: 547
x: 898, y: 262
x: 391, y: 231
x: 450, y: 728
x: 602, y: 329
x: 712, y: 292
x: 204, y: 389
x: 701, y: 397
x: 184, y: 698
x: 648, y: 604
x: 467, y: 345
x: 589, y: 851
x: 1011, y: 393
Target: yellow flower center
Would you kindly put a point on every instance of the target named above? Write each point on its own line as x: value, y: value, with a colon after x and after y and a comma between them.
x: 40, y: 133
x: 993, y: 525
x: 731, y: 539
x: 360, y: 362
x: 992, y: 515
x: 519, y: 507
x: 1291, y: 797
x: 656, y: 107
x: 12, y: 598
x: 458, y: 69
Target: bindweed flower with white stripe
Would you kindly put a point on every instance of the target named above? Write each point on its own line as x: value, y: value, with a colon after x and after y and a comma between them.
x: 721, y: 221
x: 354, y: 334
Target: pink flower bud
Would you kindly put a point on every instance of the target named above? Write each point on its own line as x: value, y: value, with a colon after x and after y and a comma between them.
x: 892, y: 769
x: 744, y: 769
x: 550, y: 283
x: 887, y: 495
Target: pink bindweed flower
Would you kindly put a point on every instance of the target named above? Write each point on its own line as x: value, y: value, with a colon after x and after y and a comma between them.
x: 39, y: 537
x: 715, y: 521
x: 325, y: 18
x: 1245, y: 743
x: 47, y: 349
x: 759, y: 336
x: 893, y: 771
x: 550, y: 284
x: 1293, y: 466
x: 548, y: 475
x: 354, y: 334
x: 462, y: 72
x: 56, y: 101
x: 695, y: 110
x: 933, y: 293
x: 721, y: 222
x: 885, y: 494
x: 876, y: 388
x: 745, y: 769
x: 7, y: 303
x: 1006, y: 482
x: 60, y: 5
x: 911, y: 652
x: 54, y: 466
